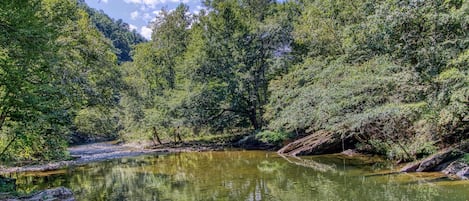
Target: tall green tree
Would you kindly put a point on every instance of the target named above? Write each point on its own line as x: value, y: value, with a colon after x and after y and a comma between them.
x: 153, y: 79
x: 53, y: 64
x: 33, y: 105
x: 241, y: 41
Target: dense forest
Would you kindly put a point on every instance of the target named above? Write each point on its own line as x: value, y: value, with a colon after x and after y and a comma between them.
x: 390, y: 76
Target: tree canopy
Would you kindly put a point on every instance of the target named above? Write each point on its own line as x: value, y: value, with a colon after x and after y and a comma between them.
x: 392, y: 74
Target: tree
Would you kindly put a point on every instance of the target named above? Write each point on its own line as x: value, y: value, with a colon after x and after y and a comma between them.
x: 241, y: 40
x: 153, y: 79
x: 54, y: 63
x: 33, y: 109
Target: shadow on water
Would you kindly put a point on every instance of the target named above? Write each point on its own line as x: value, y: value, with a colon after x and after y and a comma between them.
x: 238, y: 175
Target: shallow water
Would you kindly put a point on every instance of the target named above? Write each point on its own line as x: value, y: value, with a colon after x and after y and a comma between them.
x: 244, y: 175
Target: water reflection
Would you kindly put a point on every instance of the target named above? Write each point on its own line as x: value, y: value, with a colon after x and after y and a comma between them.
x: 239, y: 175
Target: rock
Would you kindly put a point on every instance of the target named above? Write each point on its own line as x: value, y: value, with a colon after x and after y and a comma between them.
x: 411, y: 167
x: 433, y: 161
x: 251, y: 142
x: 350, y: 152
x: 458, y: 168
x: 321, y: 142
x: 464, y: 173
x: 56, y: 194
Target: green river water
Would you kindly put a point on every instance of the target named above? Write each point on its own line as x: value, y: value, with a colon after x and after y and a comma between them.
x: 243, y: 175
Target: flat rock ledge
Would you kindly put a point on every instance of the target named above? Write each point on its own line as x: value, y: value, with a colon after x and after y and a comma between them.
x: 320, y: 142
x: 448, y: 161
x: 56, y: 194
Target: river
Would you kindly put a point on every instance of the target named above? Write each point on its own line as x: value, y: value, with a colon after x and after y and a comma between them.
x: 243, y: 175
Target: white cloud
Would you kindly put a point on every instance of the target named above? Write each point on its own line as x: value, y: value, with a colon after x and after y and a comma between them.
x: 133, y: 1
x: 143, y: 8
x: 153, y: 3
x: 147, y: 16
x: 104, y: 1
x: 132, y: 27
x: 197, y: 9
x: 149, y: 3
x: 157, y: 12
x: 134, y: 15
x: 146, y: 32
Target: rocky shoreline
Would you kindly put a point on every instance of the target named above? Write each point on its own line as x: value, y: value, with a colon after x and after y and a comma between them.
x: 449, y: 161
x: 96, y: 152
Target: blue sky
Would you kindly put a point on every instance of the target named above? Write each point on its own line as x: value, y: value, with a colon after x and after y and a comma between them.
x: 138, y: 13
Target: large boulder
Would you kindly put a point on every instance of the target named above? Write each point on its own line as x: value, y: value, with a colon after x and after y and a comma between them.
x: 458, y: 168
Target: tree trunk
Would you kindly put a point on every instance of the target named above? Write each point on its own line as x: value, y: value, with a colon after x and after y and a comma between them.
x: 155, y: 135
x: 253, y: 119
x: 177, y: 135
x: 3, y: 116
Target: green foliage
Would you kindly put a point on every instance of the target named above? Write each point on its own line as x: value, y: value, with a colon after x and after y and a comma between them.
x: 391, y: 73
x: 318, y: 95
x: 33, y: 107
x: 465, y: 158
x: 96, y: 123
x: 240, y: 45
x: 154, y: 88
x: 53, y: 63
x: 405, y: 149
x: 276, y: 138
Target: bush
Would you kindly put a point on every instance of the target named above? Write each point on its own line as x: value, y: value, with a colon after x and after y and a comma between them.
x: 97, y: 124
x: 276, y: 138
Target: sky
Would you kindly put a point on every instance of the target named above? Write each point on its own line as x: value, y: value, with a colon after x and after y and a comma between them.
x: 138, y: 13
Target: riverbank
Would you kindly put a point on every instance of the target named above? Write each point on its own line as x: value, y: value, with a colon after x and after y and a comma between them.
x: 452, y: 160
x: 447, y: 162
x: 96, y: 152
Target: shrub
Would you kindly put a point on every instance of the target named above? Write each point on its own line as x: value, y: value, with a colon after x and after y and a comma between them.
x: 271, y: 137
